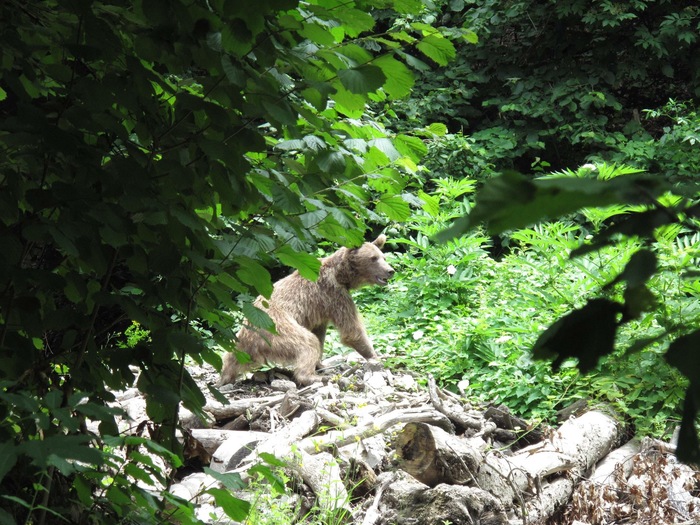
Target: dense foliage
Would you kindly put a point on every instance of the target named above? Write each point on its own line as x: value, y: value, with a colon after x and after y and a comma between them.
x: 157, y: 157
x: 565, y: 81
x: 560, y: 84
x: 160, y: 159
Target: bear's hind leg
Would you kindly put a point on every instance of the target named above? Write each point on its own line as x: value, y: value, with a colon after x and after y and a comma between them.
x: 302, y: 350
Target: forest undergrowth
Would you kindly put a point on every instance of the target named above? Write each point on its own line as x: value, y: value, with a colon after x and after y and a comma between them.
x: 469, y: 311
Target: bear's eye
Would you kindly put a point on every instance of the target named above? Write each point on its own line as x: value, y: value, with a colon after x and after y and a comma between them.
x: 375, y: 258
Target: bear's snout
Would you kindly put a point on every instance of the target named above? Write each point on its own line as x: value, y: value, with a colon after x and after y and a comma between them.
x: 388, y: 274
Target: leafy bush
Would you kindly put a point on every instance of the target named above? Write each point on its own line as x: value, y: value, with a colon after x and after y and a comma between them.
x: 454, y: 312
x: 157, y: 157
x: 561, y: 80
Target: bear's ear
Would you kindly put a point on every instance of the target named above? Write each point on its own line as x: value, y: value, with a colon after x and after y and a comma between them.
x: 379, y: 241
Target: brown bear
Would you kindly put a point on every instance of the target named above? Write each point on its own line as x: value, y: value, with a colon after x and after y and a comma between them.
x: 302, y: 309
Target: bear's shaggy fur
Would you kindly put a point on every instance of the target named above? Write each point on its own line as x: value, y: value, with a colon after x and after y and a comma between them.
x: 302, y: 309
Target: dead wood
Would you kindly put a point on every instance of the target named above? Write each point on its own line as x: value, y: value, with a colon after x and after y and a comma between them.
x: 339, y: 438
x: 237, y: 407
x: 573, y: 449
x: 210, y: 438
x: 620, y: 460
x: 346, y: 438
x: 452, y: 410
x: 433, y: 456
x: 406, y: 500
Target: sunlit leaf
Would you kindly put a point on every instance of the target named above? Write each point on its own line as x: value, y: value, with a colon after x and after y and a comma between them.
x: 307, y: 265
x: 437, y: 48
x: 394, y: 207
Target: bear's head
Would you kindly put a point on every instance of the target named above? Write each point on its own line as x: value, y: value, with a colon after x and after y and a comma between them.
x: 367, y: 264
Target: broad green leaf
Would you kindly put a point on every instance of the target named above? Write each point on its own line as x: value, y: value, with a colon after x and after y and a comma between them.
x: 431, y: 203
x: 407, y: 6
x: 348, y: 103
x: 253, y: 273
x: 230, y: 480
x: 399, y: 79
x: 235, y: 508
x: 234, y: 73
x: 437, y: 48
x: 307, y: 265
x: 438, y: 129
x: 386, y: 146
x: 8, y: 457
x: 54, y: 450
x: 331, y: 161
x: 266, y: 472
x: 318, y: 34
x: 3, y: 94
x: 362, y: 79
x: 354, y: 21
x: 286, y: 199
x: 394, y: 207
x: 412, y: 147
x: 273, y: 460
x: 258, y: 318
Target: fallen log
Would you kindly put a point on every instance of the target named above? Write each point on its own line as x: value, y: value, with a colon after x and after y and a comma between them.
x: 620, y: 458
x: 574, y: 448
x: 211, y: 438
x: 433, y: 456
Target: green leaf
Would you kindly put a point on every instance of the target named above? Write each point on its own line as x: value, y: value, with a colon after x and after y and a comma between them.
x: 258, y: 318
x: 350, y: 104
x: 437, y: 48
x: 399, y: 79
x: 275, y: 482
x: 586, y: 334
x: 54, y: 450
x: 307, y: 265
x: 3, y: 94
x: 271, y: 459
x: 412, y: 147
x: 235, y: 508
x: 354, y: 22
x: 362, y: 79
x: 230, y: 480
x: 253, y: 273
x: 438, y: 129
x: 394, y: 207
x: 407, y: 6
x: 318, y: 34
x: 8, y: 457
x: 431, y: 203
x: 6, y: 518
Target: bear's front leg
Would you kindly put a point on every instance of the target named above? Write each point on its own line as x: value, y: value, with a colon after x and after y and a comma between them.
x: 361, y: 343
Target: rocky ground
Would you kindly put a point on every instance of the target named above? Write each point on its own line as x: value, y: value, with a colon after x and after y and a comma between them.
x: 375, y: 447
